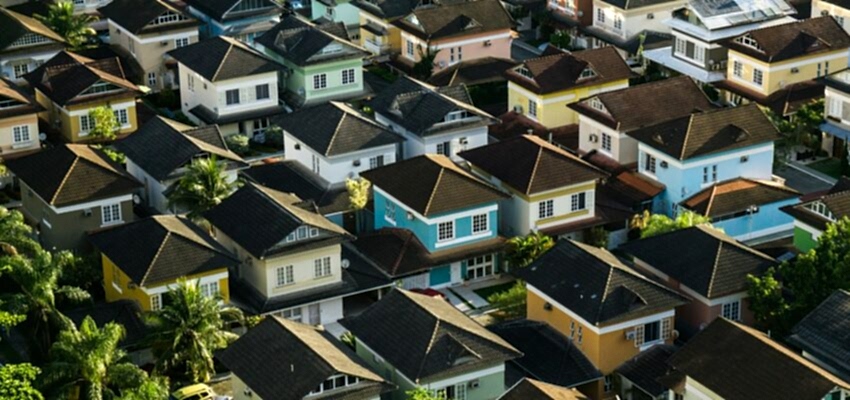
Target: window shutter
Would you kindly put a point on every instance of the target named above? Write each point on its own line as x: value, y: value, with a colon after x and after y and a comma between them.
x: 665, y: 328
x: 639, y: 336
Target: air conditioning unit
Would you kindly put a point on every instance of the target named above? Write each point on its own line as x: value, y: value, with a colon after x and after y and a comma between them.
x: 356, y: 163
x: 473, y: 384
x: 87, y: 212
x: 547, y: 306
x: 650, y: 16
x: 824, y: 13
x: 163, y: 43
x: 745, y: 159
x: 664, y: 164
x: 487, y: 43
x: 297, y: 146
x: 593, y: 138
x: 795, y: 70
x: 464, y: 141
x: 630, y: 335
x: 518, y: 109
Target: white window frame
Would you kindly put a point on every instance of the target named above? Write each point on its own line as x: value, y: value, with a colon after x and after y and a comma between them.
x: 445, y: 231
x: 210, y: 289
x: 348, y: 76
x: 284, y: 275
x: 575, y: 201
x: 731, y: 310
x: 181, y: 42
x: 737, y: 69
x: 263, y: 87
x: 86, y: 124
x: 758, y: 76
x: 156, y: 302
x: 376, y: 161
x: 320, y: 81
x: 532, y: 108
x: 606, y: 142
x: 20, y: 70
x: 21, y: 134
x: 322, y: 267
x: 545, y: 209
x: 480, y: 267
x: 480, y: 223
x: 122, y: 117
x: 228, y: 97
x: 152, y: 79
x: 110, y: 214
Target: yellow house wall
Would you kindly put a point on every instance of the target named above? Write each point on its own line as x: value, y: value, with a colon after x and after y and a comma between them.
x: 393, y: 36
x: 778, y: 75
x: 70, y: 125
x: 552, y: 108
x: 6, y: 133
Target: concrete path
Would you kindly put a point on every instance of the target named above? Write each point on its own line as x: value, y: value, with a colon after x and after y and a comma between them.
x: 467, y: 294
x: 456, y: 301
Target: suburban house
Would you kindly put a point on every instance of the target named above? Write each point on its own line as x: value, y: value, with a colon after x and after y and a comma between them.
x: 728, y: 360
x: 342, y: 11
x: 159, y: 153
x: 69, y: 86
x: 707, y: 266
x: 610, y: 311
x: 436, y: 347
x: 541, y: 88
x: 432, y: 120
x: 640, y: 376
x: 68, y: 190
x: 141, y: 260
x: 606, y: 120
x: 532, y: 389
x: 336, y: 141
x: 26, y: 43
x: 552, y: 190
x: 322, y: 64
x: 147, y: 30
x: 820, y: 335
x: 459, y: 31
x: 240, y: 19
x: 701, y: 29
x: 225, y: 82
x: 836, y: 8
x: 621, y: 22
x: 441, y: 216
x: 18, y: 120
x: 765, y: 64
x: 816, y: 211
x: 300, y: 361
x: 572, y: 13
x: 691, y: 153
x: 836, y: 125
x: 295, y: 267
x: 378, y: 34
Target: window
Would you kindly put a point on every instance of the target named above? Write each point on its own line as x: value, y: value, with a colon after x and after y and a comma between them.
x: 652, y: 331
x: 587, y: 73
x: 545, y: 209
x: 524, y: 72
x: 600, y: 15
x: 699, y: 53
x: 260, y: 126
x: 833, y: 107
x: 335, y: 382
x: 156, y: 302
x: 111, y: 213
x: 285, y: 275
x: 209, y: 289
x: 322, y: 267
x: 317, y: 166
x: 758, y: 76
x: 86, y: 124
x: 121, y: 117
x: 151, y: 79
x: 479, y: 267
x: 572, y: 329
x: 320, y: 81
x: 580, y: 336
x: 168, y: 17
x: 348, y: 76
x: 578, y: 201
x: 190, y: 82
x: 21, y: 134
x: 444, y: 148
x: 732, y: 310
x: 262, y: 92
x: 618, y: 22
x: 409, y: 48
x: 681, y: 45
x: 445, y: 231
x: 181, y: 42
x: 606, y: 142
x: 454, y: 392
x: 375, y: 162
x: 132, y: 46
x: 748, y: 40
x: 709, y: 174
x: 649, y: 163
x: 738, y: 69
x: 532, y: 108
x: 29, y: 39
x: 597, y: 104
x: 21, y: 70
x: 389, y: 211
x: 232, y: 96
x: 292, y: 314
x: 479, y: 223
x: 608, y: 384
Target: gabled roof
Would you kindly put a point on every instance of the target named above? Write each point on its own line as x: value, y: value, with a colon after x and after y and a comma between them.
x: 709, y: 132
x: 14, y: 25
x: 633, y: 4
x: 290, y: 176
x: 334, y: 128
x: 800, y: 38
x: 295, y: 359
x: 738, y: 362
x: 824, y: 332
x: 161, y: 249
x: 737, y: 195
x: 24, y: 104
x: 644, y: 369
x: 836, y: 200
x: 304, y: 43
x: 432, y: 184
x: 473, y: 72
x: 563, y: 71
x: 458, y: 19
x: 72, y: 174
x: 219, y: 9
x: 161, y: 146
x: 704, y: 259
x: 426, y: 338
x: 536, y: 165
x: 222, y: 58
x: 259, y: 219
x: 648, y: 104
x: 66, y: 76
x: 533, y: 389
x: 136, y: 15
x: 387, y: 9
x: 596, y: 285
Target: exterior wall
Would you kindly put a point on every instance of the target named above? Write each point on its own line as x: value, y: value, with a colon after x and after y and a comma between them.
x: 214, y: 27
x: 149, y: 50
x: 633, y: 21
x: 552, y: 108
x: 379, y: 45
x: 153, y: 190
x: 623, y: 149
x: 805, y: 236
x: 699, y: 53
x: 69, y: 118
x: 337, y: 168
x: 32, y: 58
x: 842, y: 15
x: 454, y: 50
x: 7, y: 125
x: 415, y: 145
x: 580, y: 11
x: 778, y: 75
x: 300, y: 81
x: 768, y: 220
x: 343, y: 12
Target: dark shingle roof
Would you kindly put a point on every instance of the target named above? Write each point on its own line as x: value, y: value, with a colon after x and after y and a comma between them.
x: 709, y: 132
x: 135, y: 15
x: 644, y: 369
x: 737, y: 195
x: 66, y: 76
x: 459, y: 19
x: 536, y: 165
x: 335, y: 128
x: 738, y: 362
x: 801, y: 38
x: 824, y: 332
x: 836, y: 200
x: 161, y: 249
x: 124, y: 312
x: 302, y: 42
x: 704, y: 259
x: 432, y: 184
x: 13, y: 26
x: 222, y: 58
x: 473, y: 72
x: 597, y: 286
x: 562, y: 71
x: 632, y: 4
x: 426, y: 338
x: 527, y: 389
x: 290, y: 176
x: 218, y: 8
x: 72, y: 174
x: 24, y: 103
x: 296, y: 358
x: 387, y: 9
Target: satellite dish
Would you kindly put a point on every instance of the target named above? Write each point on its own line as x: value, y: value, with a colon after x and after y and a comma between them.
x: 136, y: 199
x: 345, y: 263
x: 42, y: 136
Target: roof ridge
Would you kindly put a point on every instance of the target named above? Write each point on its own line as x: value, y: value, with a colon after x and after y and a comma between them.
x: 156, y: 256
x: 430, y: 344
x: 280, y: 323
x: 605, y: 291
x: 534, y: 170
x: 711, y: 198
x: 714, y: 268
x: 336, y: 131
x: 404, y: 246
x: 434, y: 189
x: 223, y: 59
x: 687, y: 136
x: 269, y: 197
x: 65, y: 178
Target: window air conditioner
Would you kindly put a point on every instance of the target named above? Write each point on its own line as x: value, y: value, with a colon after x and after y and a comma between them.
x: 487, y: 43
x: 795, y: 70
x: 356, y: 163
x: 163, y: 43
x: 664, y: 164
x: 650, y: 16
x: 87, y: 212
x: 518, y: 109
x: 594, y: 138
x: 464, y: 141
x: 474, y: 384
x: 824, y: 13
x: 630, y: 335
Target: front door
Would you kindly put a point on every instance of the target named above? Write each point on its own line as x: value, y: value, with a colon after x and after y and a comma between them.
x: 456, y: 278
x: 314, y: 312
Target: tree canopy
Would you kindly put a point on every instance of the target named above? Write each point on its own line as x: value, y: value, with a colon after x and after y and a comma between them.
x: 104, y: 123
x: 75, y: 28
x: 202, y: 187
x: 656, y: 224
x: 16, y: 382
x: 523, y: 250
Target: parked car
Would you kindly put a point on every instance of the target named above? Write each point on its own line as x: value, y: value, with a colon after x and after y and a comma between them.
x: 199, y: 391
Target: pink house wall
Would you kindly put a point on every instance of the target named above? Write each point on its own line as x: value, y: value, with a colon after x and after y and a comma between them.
x: 500, y: 48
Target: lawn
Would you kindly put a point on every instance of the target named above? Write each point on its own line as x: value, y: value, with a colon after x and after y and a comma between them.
x: 487, y: 291
x: 829, y: 166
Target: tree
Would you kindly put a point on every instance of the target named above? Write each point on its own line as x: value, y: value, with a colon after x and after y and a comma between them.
x: 512, y: 302
x: 420, y: 393
x: 801, y: 130
x: 155, y: 388
x: 655, y: 224
x: 767, y: 302
x: 186, y: 332
x: 75, y: 28
x: 202, y: 187
x: 523, y: 250
x: 15, y: 235
x: 425, y: 67
x: 358, y: 197
x: 561, y: 39
x: 105, y: 124
x: 16, y: 382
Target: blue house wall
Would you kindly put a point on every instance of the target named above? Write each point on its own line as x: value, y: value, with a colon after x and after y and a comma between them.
x: 768, y: 218
x: 212, y: 28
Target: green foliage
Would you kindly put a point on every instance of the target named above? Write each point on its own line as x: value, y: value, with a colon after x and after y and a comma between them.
x: 421, y: 393
x: 253, y: 320
x: 656, y: 224
x: 358, y: 192
x: 239, y: 144
x: 425, y: 67
x: 561, y: 39
x: 16, y: 382
x: 523, y: 250
x: 105, y: 123
x: 73, y: 27
x: 274, y: 136
x: 711, y: 92
x: 154, y: 388
x: 202, y: 187
x: 114, y: 155
x: 766, y: 301
x: 349, y: 340
x: 84, y: 272
x: 597, y: 237
x: 510, y: 303
x: 802, y: 129
x: 183, y: 119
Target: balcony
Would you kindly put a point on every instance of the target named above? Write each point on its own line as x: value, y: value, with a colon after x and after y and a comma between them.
x: 376, y: 48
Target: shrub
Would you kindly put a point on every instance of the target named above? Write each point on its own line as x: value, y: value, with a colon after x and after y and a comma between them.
x: 238, y: 144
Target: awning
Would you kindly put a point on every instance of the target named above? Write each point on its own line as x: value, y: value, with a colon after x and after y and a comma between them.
x: 836, y: 130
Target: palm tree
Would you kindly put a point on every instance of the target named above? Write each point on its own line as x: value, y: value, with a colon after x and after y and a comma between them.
x: 89, y: 362
x: 15, y: 235
x: 202, y: 187
x: 186, y: 332
x: 523, y: 250
x: 73, y: 27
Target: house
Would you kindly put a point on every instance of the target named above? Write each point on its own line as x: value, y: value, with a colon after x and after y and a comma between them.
x: 487, y: 72
x: 336, y: 141
x: 143, y: 259
x: 69, y: 86
x: 240, y: 19
x: 433, y: 120
x: 26, y: 43
x: 437, y: 224
x: 765, y: 63
x: 701, y: 29
x: 323, y: 65
x: 573, y: 14
x: 541, y: 88
x: 836, y: 124
x: 532, y: 389
x: 225, y: 82
x: 302, y: 362
x: 456, y: 32
x: 18, y: 120
x: 606, y: 120
x: 706, y: 265
x: 436, y: 347
x: 820, y: 335
x: 71, y: 189
x: 378, y: 34
x: 610, y: 310
x: 295, y: 267
x: 341, y: 11
x: 728, y: 360
x: 639, y: 376
x: 148, y: 30
x: 816, y: 211
x: 693, y: 152
x: 836, y: 8
x: 552, y: 190
x: 161, y: 150
x: 621, y: 22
